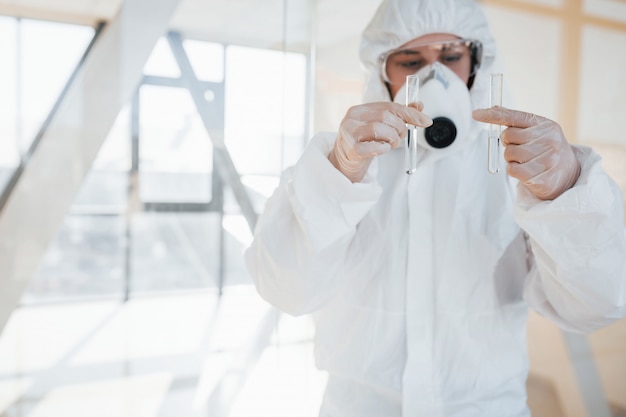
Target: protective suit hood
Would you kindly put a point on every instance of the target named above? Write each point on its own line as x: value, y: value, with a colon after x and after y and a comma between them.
x: 397, y: 22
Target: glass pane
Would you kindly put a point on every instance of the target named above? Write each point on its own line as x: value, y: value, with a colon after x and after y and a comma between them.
x: 9, y: 155
x: 87, y: 259
x: 207, y: 60
x: 115, y: 152
x: 603, y: 75
x: 105, y: 189
x: 265, y: 108
x: 609, y: 9
x: 56, y: 47
x: 174, y: 251
x: 550, y: 3
x: 162, y: 62
x: 534, y: 88
x: 176, y: 155
x: 108, y: 241
x: 102, y: 192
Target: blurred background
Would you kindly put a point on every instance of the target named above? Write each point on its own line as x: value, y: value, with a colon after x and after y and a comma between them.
x: 139, y: 141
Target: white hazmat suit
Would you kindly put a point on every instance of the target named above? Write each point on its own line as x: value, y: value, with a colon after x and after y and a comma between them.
x: 420, y: 284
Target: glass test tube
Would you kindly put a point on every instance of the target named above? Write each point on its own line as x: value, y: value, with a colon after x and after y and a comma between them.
x: 495, y: 130
x: 410, y: 155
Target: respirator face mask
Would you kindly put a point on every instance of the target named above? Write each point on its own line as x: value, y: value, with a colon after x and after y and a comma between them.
x: 447, y: 101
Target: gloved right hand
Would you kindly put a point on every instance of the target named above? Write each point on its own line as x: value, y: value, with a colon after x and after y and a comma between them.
x: 369, y: 130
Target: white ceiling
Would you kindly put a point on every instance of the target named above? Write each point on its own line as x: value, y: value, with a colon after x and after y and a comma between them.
x: 245, y: 22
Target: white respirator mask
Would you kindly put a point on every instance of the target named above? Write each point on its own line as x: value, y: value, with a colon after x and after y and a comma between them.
x: 447, y: 101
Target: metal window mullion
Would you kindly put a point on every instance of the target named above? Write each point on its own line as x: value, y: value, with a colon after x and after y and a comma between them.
x: 19, y: 116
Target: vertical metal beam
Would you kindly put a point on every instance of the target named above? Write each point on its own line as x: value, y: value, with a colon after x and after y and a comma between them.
x: 571, y: 52
x: 19, y: 107
x: 310, y: 75
x: 134, y: 133
x: 213, y: 120
x: 50, y: 181
x: 589, y: 382
x: 132, y: 193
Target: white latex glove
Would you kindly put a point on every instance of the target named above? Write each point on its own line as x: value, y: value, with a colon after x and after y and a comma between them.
x: 369, y: 130
x: 537, y: 151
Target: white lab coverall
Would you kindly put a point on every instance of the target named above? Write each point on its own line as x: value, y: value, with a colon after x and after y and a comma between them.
x: 420, y: 285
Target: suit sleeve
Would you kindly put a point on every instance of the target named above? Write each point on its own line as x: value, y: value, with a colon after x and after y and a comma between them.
x: 578, y: 240
x: 307, y: 226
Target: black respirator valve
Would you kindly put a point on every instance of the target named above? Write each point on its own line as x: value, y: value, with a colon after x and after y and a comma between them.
x: 441, y: 133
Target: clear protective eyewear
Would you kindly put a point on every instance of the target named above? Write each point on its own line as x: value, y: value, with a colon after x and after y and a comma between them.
x: 409, y: 59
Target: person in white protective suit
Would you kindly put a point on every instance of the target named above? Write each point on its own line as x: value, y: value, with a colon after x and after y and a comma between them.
x: 420, y: 284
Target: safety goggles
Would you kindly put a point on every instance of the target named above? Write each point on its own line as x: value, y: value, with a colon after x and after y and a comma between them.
x: 456, y: 54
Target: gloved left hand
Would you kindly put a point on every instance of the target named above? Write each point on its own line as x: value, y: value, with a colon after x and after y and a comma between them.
x: 537, y: 151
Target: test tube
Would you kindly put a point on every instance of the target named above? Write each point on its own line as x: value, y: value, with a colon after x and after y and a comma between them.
x: 410, y: 155
x: 494, y: 129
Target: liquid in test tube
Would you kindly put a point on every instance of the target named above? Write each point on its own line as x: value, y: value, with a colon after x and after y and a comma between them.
x: 412, y: 97
x: 495, y: 130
